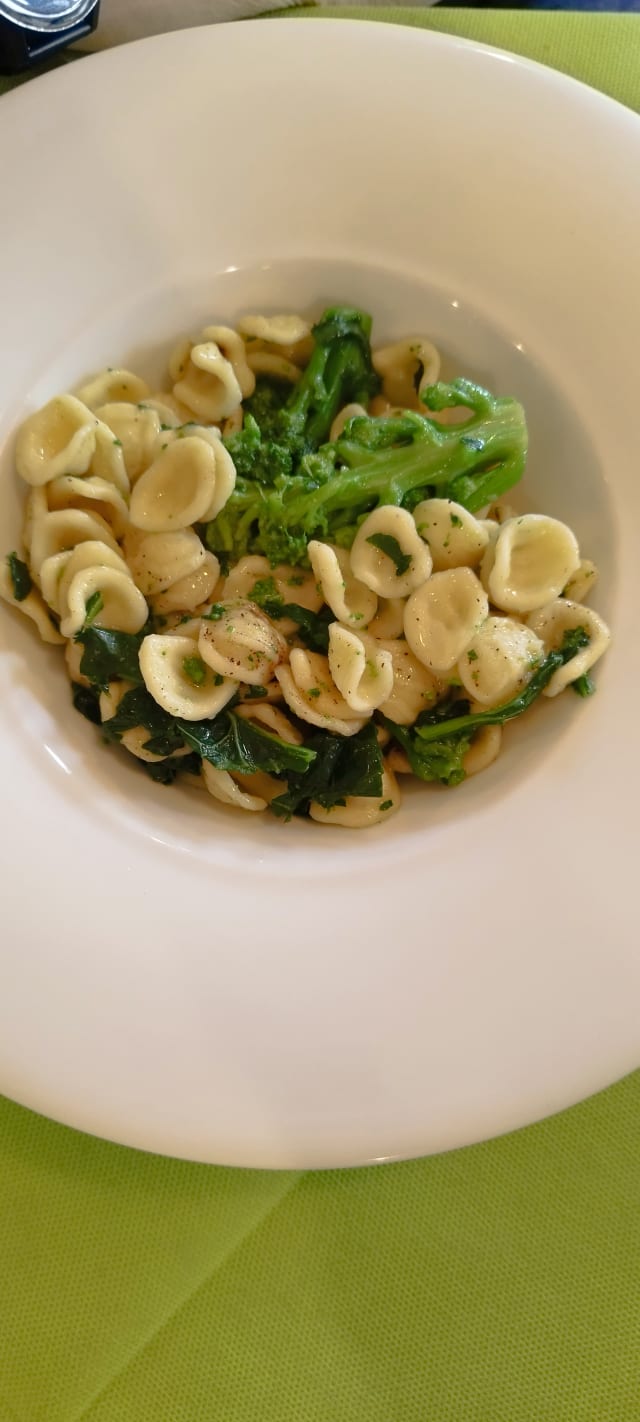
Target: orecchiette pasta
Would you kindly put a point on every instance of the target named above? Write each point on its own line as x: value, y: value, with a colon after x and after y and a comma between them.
x: 208, y: 384
x: 93, y: 494
x: 225, y: 473
x: 414, y: 688
x: 108, y: 460
x: 56, y: 532
x: 407, y: 368
x: 442, y: 616
x: 223, y: 787
x: 484, y: 749
x: 582, y: 582
x: 170, y: 411
x: 456, y: 539
x: 277, y: 330
x: 58, y: 439
x: 167, y: 664
x: 499, y: 660
x: 349, y: 599
x: 58, y: 571
x: 135, y: 738
x: 32, y: 606
x: 241, y: 643
x: 348, y: 412
x: 36, y: 505
x: 358, y: 811
x: 388, y: 554
x: 290, y: 584
x: 311, y: 694
x: 362, y: 673
x: 552, y: 622
x: 113, y: 385
x: 122, y: 605
x: 294, y: 638
x: 273, y: 720
x: 389, y: 619
x: 529, y: 563
x: 177, y: 490
x: 73, y: 654
x: 158, y: 561
x: 136, y: 430
x: 233, y: 349
x: 273, y: 364
x: 191, y: 591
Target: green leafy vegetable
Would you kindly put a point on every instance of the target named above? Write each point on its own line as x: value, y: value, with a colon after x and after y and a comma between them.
x: 583, y: 685
x: 85, y: 700
x: 20, y: 577
x: 397, y: 460
x: 313, y: 627
x: 93, y: 606
x: 231, y: 742
x: 282, y: 423
x: 110, y: 656
x: 387, y: 544
x: 138, y: 708
x: 253, y: 693
x: 342, y: 766
x: 164, y: 772
x: 437, y: 744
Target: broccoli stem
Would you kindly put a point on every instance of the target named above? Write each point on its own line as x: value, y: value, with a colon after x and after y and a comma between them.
x: 431, y: 727
x: 473, y: 463
x: 339, y: 372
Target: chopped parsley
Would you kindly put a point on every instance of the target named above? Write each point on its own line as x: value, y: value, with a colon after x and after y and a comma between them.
x: 195, y: 670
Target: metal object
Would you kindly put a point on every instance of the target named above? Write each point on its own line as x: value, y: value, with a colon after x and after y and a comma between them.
x: 32, y: 30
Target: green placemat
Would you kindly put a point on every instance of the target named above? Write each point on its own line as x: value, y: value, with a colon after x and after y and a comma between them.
x: 600, y: 49
x: 495, y: 1284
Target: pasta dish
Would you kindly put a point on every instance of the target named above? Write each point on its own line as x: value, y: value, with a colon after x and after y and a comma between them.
x: 291, y: 578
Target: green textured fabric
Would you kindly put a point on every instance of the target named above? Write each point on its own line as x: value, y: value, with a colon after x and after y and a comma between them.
x: 495, y: 1284
x: 600, y: 49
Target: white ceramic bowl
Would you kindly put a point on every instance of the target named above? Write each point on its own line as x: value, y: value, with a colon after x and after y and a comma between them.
x: 200, y: 983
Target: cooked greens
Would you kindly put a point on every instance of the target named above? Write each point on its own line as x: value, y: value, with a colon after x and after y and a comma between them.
x: 437, y: 743
x: 20, y: 577
x: 110, y: 656
x: 276, y: 440
x: 292, y: 486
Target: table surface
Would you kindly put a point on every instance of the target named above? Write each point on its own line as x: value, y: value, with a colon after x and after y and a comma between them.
x: 493, y: 1284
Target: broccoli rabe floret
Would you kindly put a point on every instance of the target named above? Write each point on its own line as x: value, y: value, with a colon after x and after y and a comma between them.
x: 281, y: 423
x: 257, y: 457
x: 379, y: 460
